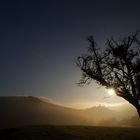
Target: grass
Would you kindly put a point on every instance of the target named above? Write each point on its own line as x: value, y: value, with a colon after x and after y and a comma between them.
x: 70, y: 133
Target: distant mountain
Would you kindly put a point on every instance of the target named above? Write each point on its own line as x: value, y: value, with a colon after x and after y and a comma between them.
x: 18, y: 111
x: 101, y: 111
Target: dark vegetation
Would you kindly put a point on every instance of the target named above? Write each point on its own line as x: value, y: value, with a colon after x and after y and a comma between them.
x: 70, y: 133
x: 116, y: 65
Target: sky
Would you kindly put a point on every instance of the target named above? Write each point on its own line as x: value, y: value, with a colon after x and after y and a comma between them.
x: 41, y: 39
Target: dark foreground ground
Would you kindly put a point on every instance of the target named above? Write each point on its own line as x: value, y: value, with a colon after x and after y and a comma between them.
x: 70, y: 133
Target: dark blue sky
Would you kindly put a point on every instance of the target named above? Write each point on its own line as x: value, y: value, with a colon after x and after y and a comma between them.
x: 39, y: 40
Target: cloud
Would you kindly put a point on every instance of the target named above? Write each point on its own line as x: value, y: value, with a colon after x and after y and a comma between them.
x: 49, y: 100
x: 46, y: 99
x: 83, y: 105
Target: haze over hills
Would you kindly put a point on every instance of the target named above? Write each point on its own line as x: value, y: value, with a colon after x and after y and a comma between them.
x: 18, y: 111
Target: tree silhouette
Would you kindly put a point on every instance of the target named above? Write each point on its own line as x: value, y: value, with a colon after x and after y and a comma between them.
x: 116, y: 66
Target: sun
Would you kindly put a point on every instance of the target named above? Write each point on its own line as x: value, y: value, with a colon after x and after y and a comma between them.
x: 111, y: 91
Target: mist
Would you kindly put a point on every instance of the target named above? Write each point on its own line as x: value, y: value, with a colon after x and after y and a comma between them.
x: 24, y: 111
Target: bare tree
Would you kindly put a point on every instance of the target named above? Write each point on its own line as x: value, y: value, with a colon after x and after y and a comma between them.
x: 117, y: 66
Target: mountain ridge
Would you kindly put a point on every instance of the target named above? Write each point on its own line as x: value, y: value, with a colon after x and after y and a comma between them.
x: 30, y: 110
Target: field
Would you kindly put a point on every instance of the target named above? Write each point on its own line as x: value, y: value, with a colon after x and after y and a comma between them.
x: 70, y: 133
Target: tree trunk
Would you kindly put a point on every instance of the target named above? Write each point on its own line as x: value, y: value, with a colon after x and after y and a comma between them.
x: 136, y: 104
x: 138, y: 109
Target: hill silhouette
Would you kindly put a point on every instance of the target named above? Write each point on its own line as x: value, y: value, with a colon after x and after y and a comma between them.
x: 18, y: 111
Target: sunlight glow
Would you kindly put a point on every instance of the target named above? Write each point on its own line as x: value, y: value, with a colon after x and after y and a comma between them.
x: 111, y: 91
